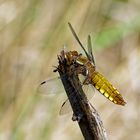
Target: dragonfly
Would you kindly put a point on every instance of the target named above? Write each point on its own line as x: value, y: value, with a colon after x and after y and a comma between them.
x: 92, y: 77
x: 95, y: 78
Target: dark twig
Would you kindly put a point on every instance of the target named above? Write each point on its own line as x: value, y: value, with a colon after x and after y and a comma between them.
x: 84, y: 113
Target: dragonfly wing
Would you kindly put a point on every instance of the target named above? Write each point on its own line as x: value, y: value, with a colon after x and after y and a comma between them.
x: 104, y: 87
x: 76, y: 37
x: 65, y: 108
x: 51, y: 87
x: 90, y: 49
x: 89, y: 90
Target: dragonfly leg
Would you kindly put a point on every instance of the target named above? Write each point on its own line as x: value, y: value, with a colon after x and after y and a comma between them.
x: 86, y: 81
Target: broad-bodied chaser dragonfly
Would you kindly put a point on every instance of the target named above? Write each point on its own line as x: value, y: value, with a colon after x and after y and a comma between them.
x: 92, y: 77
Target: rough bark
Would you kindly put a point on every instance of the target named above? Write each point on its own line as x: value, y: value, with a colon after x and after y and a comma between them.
x: 84, y: 113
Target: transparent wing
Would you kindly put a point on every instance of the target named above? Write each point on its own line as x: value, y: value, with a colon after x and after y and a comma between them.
x: 51, y: 87
x: 89, y: 90
x: 76, y: 37
x: 66, y: 107
x: 90, y: 49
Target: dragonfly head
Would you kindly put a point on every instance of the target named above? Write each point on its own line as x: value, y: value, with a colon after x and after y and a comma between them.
x: 71, y: 56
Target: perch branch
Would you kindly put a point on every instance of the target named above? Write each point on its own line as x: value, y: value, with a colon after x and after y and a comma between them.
x: 84, y: 113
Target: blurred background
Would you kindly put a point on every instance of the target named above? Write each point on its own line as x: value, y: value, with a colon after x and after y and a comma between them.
x: 32, y: 34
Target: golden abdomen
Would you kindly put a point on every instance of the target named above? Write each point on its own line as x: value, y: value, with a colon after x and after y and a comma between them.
x: 104, y: 87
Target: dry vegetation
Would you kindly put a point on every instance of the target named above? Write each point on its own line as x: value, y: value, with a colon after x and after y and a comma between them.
x: 33, y: 32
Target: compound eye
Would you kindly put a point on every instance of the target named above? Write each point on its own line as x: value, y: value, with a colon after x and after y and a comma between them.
x: 74, y: 53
